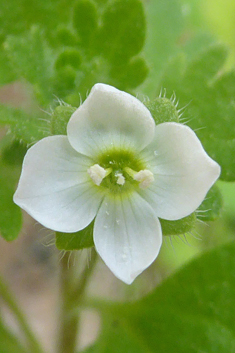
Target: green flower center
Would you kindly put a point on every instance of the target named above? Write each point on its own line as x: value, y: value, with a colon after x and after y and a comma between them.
x: 120, y: 171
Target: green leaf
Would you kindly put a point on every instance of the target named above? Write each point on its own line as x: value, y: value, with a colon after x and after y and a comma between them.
x: 85, y: 20
x: 130, y: 75
x: 10, y: 214
x: 75, y: 241
x: 209, y: 97
x: 17, y: 17
x: 211, y: 207
x: 13, y: 154
x: 70, y: 57
x: 205, y: 67
x: 192, y: 311
x: 31, y: 59
x: 123, y: 30
x: 165, y: 24
x: 65, y: 37
x: 9, y: 343
x: 23, y: 126
x: 6, y: 73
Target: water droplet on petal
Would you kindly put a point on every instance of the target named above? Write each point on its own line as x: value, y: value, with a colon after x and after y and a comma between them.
x: 155, y: 153
x: 118, y: 221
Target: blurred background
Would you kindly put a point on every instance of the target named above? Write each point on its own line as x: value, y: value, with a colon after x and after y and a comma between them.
x: 31, y: 263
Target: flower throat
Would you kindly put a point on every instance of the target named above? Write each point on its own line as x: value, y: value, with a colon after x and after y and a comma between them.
x: 120, y: 171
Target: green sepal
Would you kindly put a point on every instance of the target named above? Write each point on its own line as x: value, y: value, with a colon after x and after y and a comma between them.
x: 85, y: 20
x: 75, y: 241
x: 211, y: 207
x: 123, y: 29
x: 162, y: 110
x: 69, y: 57
x: 181, y: 226
x: 60, y: 118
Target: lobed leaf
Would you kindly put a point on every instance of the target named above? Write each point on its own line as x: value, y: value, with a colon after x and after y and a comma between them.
x: 23, y: 126
x: 123, y: 29
x: 10, y: 214
x: 192, y: 311
x: 85, y: 20
x: 31, y: 59
x: 209, y: 97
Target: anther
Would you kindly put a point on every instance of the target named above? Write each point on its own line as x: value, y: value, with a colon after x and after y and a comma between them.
x: 98, y: 173
x: 144, y: 177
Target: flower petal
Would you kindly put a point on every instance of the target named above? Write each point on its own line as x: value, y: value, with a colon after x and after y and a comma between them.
x: 55, y: 188
x: 127, y: 235
x: 183, y: 171
x: 110, y: 118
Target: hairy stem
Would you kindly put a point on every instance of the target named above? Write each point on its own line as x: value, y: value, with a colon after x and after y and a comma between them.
x: 71, y: 296
x: 8, y: 298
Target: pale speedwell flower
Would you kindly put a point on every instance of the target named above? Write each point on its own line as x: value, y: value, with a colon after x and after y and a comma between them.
x: 116, y: 166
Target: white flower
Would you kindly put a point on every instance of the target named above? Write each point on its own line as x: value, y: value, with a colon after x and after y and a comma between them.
x: 116, y: 166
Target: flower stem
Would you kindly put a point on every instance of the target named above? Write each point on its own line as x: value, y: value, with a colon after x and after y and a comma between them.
x: 8, y: 298
x: 71, y: 297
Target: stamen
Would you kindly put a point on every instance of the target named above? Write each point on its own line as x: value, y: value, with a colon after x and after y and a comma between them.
x: 98, y: 173
x: 144, y: 177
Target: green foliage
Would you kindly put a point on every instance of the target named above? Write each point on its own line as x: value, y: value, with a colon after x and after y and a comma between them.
x: 122, y: 33
x: 31, y: 59
x: 192, y: 311
x: 65, y: 37
x: 69, y: 57
x: 136, y: 72
x: 6, y: 73
x: 130, y: 75
x: 85, y: 20
x: 181, y: 226
x: 76, y: 241
x: 165, y: 25
x: 9, y: 343
x: 10, y: 214
x: 17, y: 17
x: 23, y: 126
x: 211, y: 207
x: 13, y: 153
x: 208, y: 94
